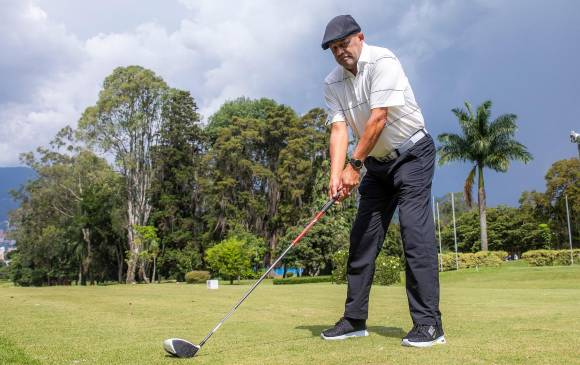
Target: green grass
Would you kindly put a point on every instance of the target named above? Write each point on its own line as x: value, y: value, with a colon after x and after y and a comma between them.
x: 509, y: 315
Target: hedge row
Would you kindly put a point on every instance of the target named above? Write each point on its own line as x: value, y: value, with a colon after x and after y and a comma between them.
x: 387, y: 269
x: 471, y: 260
x: 550, y: 257
x: 303, y: 280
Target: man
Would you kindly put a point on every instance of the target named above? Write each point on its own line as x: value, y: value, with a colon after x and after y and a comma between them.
x: 370, y: 93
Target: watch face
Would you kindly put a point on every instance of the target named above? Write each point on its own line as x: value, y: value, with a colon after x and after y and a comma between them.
x: 356, y: 163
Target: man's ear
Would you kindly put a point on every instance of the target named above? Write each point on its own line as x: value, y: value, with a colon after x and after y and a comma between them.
x: 361, y: 36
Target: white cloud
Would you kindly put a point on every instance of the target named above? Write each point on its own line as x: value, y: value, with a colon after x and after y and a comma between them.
x: 218, y: 51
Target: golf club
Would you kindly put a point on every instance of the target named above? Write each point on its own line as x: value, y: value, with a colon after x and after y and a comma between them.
x: 183, y: 348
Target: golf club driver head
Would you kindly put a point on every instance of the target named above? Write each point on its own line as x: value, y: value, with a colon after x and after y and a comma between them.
x: 180, y: 348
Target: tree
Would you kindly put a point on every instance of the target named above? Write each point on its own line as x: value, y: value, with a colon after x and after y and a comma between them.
x: 509, y: 229
x: 446, y: 208
x: 146, y: 238
x: 563, y: 179
x: 485, y: 145
x: 262, y: 162
x: 64, y: 224
x: 230, y: 258
x: 177, y: 197
x: 125, y: 122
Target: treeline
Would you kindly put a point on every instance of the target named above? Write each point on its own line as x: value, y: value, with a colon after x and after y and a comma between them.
x: 141, y: 190
x: 540, y: 221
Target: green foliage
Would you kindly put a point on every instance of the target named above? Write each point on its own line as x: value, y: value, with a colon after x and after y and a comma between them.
x: 563, y: 179
x: 551, y: 257
x: 509, y: 229
x: 262, y: 165
x: 486, y: 145
x: 176, y: 191
x: 303, y: 280
x: 177, y: 262
x: 445, y: 211
x: 194, y: 277
x: 387, y: 268
x: 230, y: 258
x: 340, y: 259
x: 125, y: 122
x: 4, y: 271
x: 64, y: 226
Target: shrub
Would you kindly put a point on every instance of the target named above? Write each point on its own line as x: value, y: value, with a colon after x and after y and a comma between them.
x: 387, y: 268
x: 471, y: 260
x: 489, y: 258
x: 339, y: 260
x: 550, y: 257
x: 231, y: 258
x: 539, y: 257
x: 448, y: 261
x: 502, y: 255
x: 194, y: 277
x: 289, y: 274
x: 303, y: 280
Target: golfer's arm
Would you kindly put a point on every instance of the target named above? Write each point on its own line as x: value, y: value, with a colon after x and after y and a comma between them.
x: 338, y: 147
x: 373, y: 130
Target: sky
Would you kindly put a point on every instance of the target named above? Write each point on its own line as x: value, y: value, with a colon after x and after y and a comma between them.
x: 521, y: 54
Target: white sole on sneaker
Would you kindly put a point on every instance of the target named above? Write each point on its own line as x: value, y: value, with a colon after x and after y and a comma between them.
x: 438, y: 341
x: 362, y: 333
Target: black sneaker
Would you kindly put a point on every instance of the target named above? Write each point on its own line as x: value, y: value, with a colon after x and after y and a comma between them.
x: 424, y: 335
x: 346, y: 328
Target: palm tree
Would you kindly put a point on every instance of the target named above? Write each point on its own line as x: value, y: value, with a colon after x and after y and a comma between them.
x: 484, y: 144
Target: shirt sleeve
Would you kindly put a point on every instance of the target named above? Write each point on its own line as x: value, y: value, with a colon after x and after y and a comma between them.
x: 388, y: 83
x: 335, y: 113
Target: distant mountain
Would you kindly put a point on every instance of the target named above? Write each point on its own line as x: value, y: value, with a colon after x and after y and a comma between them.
x: 11, y: 178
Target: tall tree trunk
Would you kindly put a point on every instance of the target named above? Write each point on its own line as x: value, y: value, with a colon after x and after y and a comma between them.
x: 142, y: 271
x: 80, y: 271
x: 133, y: 258
x: 273, y: 199
x: 482, y: 212
x: 86, y: 262
x: 119, y: 254
x: 154, y: 268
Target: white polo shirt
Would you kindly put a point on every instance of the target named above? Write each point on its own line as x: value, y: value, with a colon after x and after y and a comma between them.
x: 380, y: 82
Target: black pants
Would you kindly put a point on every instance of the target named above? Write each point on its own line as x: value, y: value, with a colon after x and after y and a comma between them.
x: 404, y: 182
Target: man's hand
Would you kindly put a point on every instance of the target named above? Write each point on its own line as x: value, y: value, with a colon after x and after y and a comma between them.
x: 349, y: 179
x: 334, y: 186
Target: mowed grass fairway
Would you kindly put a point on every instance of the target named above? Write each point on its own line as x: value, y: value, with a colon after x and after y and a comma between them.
x: 509, y: 315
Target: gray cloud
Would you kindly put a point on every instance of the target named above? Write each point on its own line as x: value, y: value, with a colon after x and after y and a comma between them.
x: 521, y: 54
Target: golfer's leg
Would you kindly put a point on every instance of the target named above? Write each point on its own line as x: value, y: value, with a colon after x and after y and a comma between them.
x: 418, y: 233
x: 375, y: 211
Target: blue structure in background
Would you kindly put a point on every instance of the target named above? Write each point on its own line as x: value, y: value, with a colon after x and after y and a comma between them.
x: 296, y: 271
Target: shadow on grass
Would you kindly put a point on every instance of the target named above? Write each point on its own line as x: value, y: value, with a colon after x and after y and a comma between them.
x: 315, y: 330
x: 394, y: 332
x: 250, y: 345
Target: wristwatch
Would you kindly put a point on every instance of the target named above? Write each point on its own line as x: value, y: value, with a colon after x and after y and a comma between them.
x: 356, y: 164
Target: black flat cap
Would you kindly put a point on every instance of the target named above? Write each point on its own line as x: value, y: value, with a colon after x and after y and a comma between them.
x: 339, y: 27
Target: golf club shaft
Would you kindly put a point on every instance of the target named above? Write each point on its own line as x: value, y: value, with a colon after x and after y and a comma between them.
x: 317, y: 217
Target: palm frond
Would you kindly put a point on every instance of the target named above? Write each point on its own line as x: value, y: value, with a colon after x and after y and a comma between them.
x: 453, y: 148
x: 483, y: 113
x: 469, y: 186
x: 503, y: 126
x: 506, y: 151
